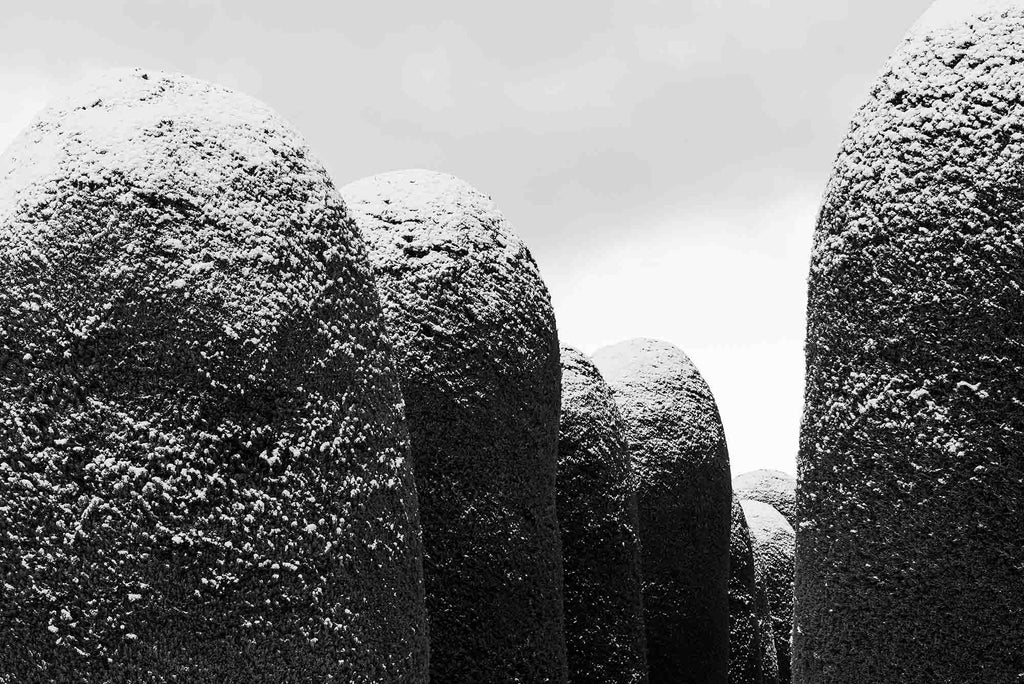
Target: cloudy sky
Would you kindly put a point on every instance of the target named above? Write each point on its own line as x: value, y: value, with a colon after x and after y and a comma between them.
x: 663, y: 160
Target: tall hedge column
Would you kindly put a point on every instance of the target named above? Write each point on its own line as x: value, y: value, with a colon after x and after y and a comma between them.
x: 684, y: 499
x: 910, y: 500
x: 473, y: 327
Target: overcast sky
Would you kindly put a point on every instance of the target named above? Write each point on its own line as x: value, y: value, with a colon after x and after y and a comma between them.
x: 663, y: 160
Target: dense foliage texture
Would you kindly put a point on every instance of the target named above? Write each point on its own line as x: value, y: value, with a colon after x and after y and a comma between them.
x: 909, y: 563
x: 204, y: 470
x: 752, y: 656
x: 774, y: 543
x: 478, y: 354
x: 684, y: 494
x: 773, y: 487
x: 604, y: 622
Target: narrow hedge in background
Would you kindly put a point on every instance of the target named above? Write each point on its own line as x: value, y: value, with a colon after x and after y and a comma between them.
x: 204, y: 470
x: 773, y: 487
x: 752, y: 655
x: 475, y: 334
x: 681, y: 463
x: 773, y: 542
x: 604, y: 622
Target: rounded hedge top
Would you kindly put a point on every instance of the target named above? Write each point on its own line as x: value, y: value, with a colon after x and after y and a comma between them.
x: 681, y: 464
x: 772, y: 487
x: 910, y: 460
x: 598, y: 519
x: 945, y: 14
x: 204, y: 466
x: 475, y: 336
x: 752, y: 656
x: 773, y: 542
x: 456, y: 283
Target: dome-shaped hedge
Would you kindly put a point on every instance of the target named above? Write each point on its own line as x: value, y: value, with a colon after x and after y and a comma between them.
x: 204, y: 470
x: 752, y: 656
x: 912, y: 455
x: 604, y: 622
x: 684, y: 498
x: 773, y: 487
x: 473, y: 327
x: 773, y: 542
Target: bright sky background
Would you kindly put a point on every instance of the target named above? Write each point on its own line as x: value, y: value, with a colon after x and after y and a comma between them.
x: 663, y: 160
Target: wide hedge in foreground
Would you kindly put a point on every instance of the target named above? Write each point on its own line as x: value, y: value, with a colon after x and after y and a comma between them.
x: 204, y: 470
x: 912, y: 447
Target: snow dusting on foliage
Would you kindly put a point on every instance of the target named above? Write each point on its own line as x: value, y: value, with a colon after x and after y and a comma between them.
x: 912, y: 448
x: 773, y: 543
x: 680, y: 460
x: 477, y: 350
x: 203, y: 459
x: 597, y: 515
x: 752, y: 655
x: 772, y: 487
